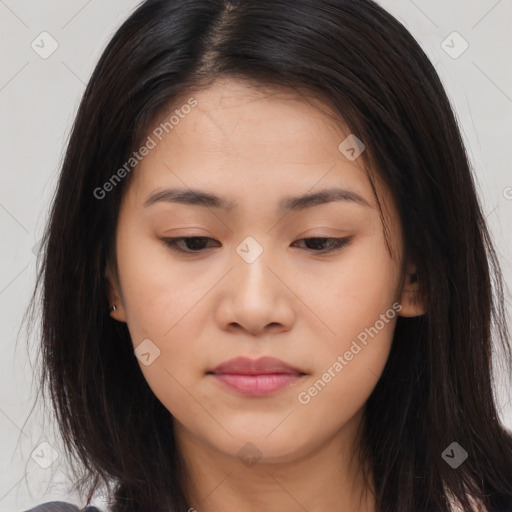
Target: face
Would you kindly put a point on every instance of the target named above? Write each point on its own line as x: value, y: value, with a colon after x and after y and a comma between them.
x: 310, y: 283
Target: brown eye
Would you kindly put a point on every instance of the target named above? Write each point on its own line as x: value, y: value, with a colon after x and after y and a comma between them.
x: 193, y: 243
x: 325, y: 245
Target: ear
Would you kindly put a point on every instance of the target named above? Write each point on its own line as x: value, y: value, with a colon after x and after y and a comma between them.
x: 411, y: 299
x: 114, y: 295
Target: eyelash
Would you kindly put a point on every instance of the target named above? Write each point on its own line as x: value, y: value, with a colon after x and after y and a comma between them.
x: 337, y: 243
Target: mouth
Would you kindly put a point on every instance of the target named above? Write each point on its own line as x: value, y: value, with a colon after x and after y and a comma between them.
x: 256, y: 377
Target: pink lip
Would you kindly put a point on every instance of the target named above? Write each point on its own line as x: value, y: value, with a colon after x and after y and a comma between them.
x: 256, y: 377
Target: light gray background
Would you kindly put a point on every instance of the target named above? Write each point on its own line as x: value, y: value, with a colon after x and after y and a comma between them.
x: 38, y: 100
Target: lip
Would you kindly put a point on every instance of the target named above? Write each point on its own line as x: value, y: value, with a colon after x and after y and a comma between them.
x: 256, y: 377
x: 260, y: 366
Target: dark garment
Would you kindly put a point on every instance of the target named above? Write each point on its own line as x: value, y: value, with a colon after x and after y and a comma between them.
x: 61, y: 506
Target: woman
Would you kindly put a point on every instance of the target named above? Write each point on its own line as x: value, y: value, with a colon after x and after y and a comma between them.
x: 267, y: 279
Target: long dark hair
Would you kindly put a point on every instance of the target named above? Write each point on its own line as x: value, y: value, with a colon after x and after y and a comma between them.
x: 437, y: 385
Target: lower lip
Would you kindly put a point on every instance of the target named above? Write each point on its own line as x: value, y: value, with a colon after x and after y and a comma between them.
x: 257, y: 385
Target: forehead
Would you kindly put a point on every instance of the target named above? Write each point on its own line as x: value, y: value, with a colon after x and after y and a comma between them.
x: 236, y: 116
x: 248, y: 141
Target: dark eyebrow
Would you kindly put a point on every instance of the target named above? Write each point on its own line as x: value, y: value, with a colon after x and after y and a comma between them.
x: 328, y: 195
x: 289, y: 203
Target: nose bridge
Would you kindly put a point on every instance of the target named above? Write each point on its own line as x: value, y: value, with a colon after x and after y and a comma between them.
x: 252, y: 264
x: 259, y: 291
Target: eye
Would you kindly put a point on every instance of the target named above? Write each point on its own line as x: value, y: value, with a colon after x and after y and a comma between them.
x: 195, y: 244
x: 334, y: 244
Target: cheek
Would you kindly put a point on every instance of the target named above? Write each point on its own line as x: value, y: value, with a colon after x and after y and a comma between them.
x: 161, y: 302
x: 349, y: 370
x: 361, y: 288
x: 362, y: 314
x: 155, y: 291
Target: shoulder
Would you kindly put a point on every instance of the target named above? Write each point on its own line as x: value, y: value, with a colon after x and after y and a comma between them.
x: 61, y: 506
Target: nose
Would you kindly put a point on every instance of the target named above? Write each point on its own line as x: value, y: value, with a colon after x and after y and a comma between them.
x: 256, y: 298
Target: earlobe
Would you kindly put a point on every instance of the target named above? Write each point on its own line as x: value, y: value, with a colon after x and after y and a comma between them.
x: 116, y: 310
x: 411, y: 299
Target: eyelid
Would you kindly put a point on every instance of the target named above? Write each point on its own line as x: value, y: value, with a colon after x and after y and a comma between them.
x: 337, y: 245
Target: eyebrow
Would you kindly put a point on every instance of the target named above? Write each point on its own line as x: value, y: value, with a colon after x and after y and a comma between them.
x: 289, y: 203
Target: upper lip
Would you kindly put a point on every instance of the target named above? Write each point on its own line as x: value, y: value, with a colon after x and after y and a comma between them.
x: 262, y: 365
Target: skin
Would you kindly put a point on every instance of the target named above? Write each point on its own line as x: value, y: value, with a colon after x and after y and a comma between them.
x: 254, y: 147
